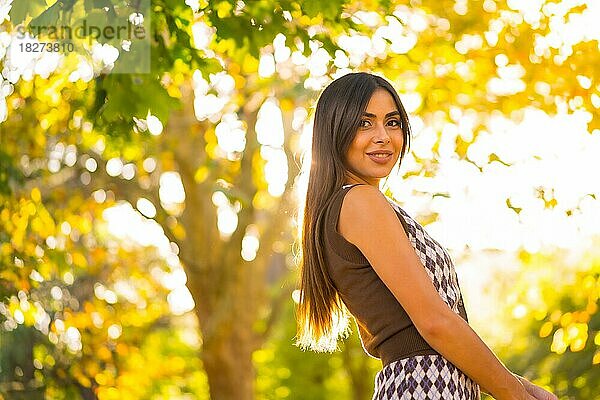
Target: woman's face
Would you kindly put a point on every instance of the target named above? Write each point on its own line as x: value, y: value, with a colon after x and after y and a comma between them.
x: 377, y: 143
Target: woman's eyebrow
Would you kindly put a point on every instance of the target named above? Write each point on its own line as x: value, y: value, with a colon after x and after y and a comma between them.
x: 390, y: 114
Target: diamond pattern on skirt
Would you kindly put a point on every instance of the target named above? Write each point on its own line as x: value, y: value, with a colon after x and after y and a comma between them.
x: 435, y: 258
x: 429, y: 377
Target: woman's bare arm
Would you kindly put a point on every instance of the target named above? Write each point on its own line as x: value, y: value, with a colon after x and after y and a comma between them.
x: 368, y: 221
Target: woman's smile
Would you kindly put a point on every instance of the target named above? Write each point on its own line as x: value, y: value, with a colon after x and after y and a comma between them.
x: 381, y: 158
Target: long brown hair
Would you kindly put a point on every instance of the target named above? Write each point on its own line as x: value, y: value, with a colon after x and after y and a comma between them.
x: 321, y: 315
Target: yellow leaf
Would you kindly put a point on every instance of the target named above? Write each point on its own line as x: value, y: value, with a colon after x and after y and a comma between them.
x: 108, y: 393
x: 578, y: 344
x: 5, y: 249
x: 30, y: 209
x: 201, y: 174
x: 179, y: 232
x: 240, y: 81
x: 262, y: 200
x: 4, y: 215
x: 223, y: 9
x: 104, y: 354
x: 211, y: 149
x: 84, y: 381
x: 102, y: 379
x: 546, y: 329
x: 566, y: 319
x: 174, y: 91
x: 17, y: 240
x: 36, y: 195
x: 286, y: 105
x: 79, y: 259
x: 30, y: 316
x: 91, y: 368
x: 250, y: 64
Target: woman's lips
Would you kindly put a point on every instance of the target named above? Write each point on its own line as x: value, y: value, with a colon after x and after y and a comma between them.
x: 380, y: 160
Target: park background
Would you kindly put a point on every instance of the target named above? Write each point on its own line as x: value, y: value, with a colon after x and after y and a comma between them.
x: 147, y: 221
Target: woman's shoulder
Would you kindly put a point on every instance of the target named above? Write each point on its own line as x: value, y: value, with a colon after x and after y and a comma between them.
x: 363, y: 197
x: 370, y: 192
x: 363, y: 204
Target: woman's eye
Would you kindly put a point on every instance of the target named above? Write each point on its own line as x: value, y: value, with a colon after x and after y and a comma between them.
x: 394, y: 122
x: 365, y: 123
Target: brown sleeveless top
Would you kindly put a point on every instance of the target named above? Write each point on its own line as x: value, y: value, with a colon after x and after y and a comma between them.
x: 385, y: 328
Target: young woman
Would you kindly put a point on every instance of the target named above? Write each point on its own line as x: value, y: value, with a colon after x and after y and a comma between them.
x: 362, y: 254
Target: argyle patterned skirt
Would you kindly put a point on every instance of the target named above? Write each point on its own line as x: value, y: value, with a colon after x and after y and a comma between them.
x: 429, y: 377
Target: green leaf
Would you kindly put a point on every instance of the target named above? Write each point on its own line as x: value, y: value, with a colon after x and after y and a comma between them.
x: 95, y: 18
x: 88, y: 5
x: 328, y: 9
x: 48, y: 18
x: 9, y: 174
x: 134, y: 95
x: 22, y: 8
x: 156, y: 98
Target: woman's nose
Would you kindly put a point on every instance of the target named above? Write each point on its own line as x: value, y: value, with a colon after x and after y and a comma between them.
x: 381, y: 135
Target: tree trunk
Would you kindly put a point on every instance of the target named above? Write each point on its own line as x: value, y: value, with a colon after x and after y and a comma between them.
x: 225, y: 289
x: 230, y: 293
x: 228, y: 364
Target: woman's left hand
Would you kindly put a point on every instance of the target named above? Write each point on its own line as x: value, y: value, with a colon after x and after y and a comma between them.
x: 536, y: 391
